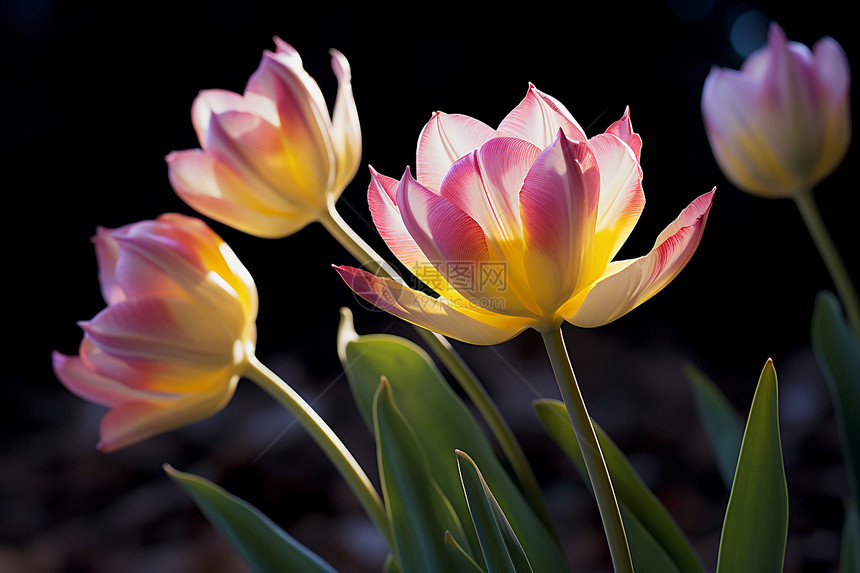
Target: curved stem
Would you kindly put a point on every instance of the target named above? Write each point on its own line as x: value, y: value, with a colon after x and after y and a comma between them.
x: 598, y: 473
x: 455, y: 364
x: 811, y: 216
x: 326, y: 439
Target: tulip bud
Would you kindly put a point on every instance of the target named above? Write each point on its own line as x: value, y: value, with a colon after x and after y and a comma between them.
x: 781, y: 124
x: 176, y: 334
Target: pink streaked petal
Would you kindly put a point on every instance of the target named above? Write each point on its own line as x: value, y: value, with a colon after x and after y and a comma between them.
x: 132, y: 422
x: 165, y: 330
x: 486, y: 184
x: 538, y: 118
x: 623, y: 130
x: 618, y: 293
x: 469, y: 324
x: 381, y: 197
x: 621, y: 197
x: 89, y: 384
x: 445, y: 139
x: 443, y: 232
x: 304, y: 120
x: 212, y: 188
x: 346, y: 131
x: 559, y: 203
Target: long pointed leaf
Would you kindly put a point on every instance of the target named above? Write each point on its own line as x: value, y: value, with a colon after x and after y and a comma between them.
x: 838, y: 355
x: 499, y: 544
x: 723, y: 425
x: 442, y: 423
x: 457, y: 550
x: 420, y: 512
x: 261, y: 544
x: 756, y: 521
x: 648, y: 555
x: 632, y: 493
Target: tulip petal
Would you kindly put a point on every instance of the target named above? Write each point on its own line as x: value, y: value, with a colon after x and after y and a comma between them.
x: 630, y: 283
x: 623, y: 129
x: 538, y: 118
x: 346, y: 131
x: 214, y: 102
x: 469, y: 324
x: 304, y: 120
x: 452, y: 241
x: 445, y: 139
x: 164, y: 330
x: 212, y: 188
x: 132, y: 422
x: 621, y: 197
x: 559, y: 202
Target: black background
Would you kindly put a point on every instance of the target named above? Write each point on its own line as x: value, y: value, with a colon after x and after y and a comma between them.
x: 95, y: 95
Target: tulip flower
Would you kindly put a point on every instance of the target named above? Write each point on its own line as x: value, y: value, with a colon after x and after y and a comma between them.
x: 272, y: 160
x: 517, y: 227
x: 178, y: 327
x: 781, y: 124
x: 177, y: 335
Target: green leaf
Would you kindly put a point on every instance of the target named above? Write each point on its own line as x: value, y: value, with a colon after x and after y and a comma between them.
x: 756, y: 521
x: 457, y: 550
x: 261, y: 544
x: 850, y: 559
x: 420, y: 512
x: 723, y: 425
x: 838, y: 355
x: 499, y: 544
x: 648, y: 555
x: 443, y: 424
x: 633, y: 495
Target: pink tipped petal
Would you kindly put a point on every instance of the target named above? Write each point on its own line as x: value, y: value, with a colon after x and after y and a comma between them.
x: 304, y: 120
x: 466, y: 323
x: 133, y: 422
x: 381, y: 198
x: 831, y: 65
x: 213, y: 189
x: 486, y: 183
x: 558, y: 203
x: 621, y: 196
x: 538, y: 118
x: 623, y: 130
x: 88, y: 384
x: 444, y: 140
x: 165, y: 330
x: 630, y: 284
x: 346, y: 131
x: 445, y: 234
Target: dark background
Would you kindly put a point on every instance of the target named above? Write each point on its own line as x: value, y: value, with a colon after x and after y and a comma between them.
x: 95, y: 95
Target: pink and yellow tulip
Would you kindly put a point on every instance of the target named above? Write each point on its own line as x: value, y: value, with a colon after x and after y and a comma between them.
x: 176, y: 334
x: 517, y: 227
x: 781, y: 124
x: 272, y: 160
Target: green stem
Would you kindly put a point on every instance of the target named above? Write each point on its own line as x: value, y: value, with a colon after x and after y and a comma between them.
x: 812, y: 217
x: 598, y: 473
x: 326, y: 439
x: 455, y: 364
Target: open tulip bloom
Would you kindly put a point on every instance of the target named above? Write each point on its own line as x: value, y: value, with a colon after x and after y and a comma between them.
x: 517, y: 228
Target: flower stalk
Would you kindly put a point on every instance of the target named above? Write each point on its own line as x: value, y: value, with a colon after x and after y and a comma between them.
x: 821, y: 237
x: 326, y: 439
x: 598, y: 473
